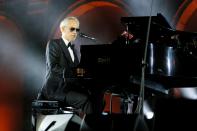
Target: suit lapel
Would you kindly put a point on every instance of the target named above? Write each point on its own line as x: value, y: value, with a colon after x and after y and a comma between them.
x: 67, y: 54
x: 65, y: 50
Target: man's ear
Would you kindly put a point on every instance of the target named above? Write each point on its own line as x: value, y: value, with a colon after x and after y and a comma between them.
x: 62, y: 28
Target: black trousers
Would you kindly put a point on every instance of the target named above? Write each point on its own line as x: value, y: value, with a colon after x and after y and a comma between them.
x: 79, y: 100
x: 90, y: 102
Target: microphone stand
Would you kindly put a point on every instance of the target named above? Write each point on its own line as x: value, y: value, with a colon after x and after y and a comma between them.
x: 140, y: 124
x: 127, y: 30
x: 141, y: 94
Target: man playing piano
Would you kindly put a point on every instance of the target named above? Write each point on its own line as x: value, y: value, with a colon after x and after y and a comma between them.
x: 61, y: 59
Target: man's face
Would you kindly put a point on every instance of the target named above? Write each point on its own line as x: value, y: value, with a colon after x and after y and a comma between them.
x: 70, y: 31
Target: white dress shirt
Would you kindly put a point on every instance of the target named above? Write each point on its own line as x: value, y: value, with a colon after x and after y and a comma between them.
x: 69, y: 49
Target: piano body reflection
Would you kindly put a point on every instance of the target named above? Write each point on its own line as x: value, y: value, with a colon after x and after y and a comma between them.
x: 168, y: 59
x: 107, y: 61
x: 111, y: 66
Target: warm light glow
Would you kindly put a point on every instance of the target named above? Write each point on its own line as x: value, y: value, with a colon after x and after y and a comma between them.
x: 187, y: 13
x: 90, y: 6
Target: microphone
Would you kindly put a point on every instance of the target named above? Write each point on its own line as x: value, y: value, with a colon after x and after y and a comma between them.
x: 86, y: 36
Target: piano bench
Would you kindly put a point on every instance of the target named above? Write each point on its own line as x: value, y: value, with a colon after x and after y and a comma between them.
x: 51, y: 107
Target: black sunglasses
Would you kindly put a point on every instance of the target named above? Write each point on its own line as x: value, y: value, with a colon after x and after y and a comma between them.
x: 72, y: 29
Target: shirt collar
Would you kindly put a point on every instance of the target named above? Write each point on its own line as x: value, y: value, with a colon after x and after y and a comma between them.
x: 65, y: 41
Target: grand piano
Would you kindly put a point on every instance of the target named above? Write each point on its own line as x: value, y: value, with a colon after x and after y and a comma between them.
x: 171, y: 56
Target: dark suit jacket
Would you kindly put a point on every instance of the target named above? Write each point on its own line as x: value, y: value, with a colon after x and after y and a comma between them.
x: 59, y: 70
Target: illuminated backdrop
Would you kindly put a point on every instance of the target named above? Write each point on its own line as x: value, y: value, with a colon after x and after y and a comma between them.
x: 27, y: 25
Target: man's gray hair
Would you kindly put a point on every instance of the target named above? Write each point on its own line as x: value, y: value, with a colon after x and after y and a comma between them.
x: 64, y: 22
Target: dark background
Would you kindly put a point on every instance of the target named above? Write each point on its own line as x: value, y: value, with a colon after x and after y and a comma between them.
x: 27, y: 25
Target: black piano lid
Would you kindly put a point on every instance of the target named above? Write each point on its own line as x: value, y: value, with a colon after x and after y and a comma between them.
x: 138, y: 26
x: 159, y: 25
x: 137, y: 21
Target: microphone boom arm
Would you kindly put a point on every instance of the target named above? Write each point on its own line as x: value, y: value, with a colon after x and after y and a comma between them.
x: 87, y: 36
